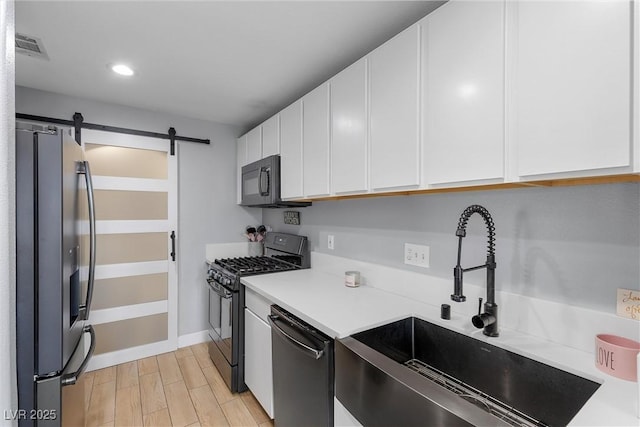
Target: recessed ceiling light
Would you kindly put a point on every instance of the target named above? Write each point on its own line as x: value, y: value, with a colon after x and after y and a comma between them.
x: 122, y: 69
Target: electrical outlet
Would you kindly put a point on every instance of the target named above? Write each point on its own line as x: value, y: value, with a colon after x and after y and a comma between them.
x: 330, y: 241
x: 417, y: 255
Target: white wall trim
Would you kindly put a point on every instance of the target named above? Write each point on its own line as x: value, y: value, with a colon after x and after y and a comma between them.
x: 8, y: 387
x: 132, y: 311
x: 109, y: 271
x: 129, y: 184
x: 193, y: 338
x: 132, y: 226
x: 129, y: 354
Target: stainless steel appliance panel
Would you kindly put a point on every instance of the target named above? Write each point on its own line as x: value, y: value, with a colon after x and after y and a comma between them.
x: 26, y: 261
x: 220, y: 318
x: 58, y: 199
x: 226, y: 347
x: 61, y: 397
x: 303, y: 370
x: 51, y: 210
x: 260, y: 185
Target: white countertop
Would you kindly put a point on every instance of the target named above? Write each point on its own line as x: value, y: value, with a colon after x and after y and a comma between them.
x: 321, y: 299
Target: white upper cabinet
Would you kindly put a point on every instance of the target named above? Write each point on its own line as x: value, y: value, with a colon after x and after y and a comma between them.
x: 291, y: 151
x: 477, y: 92
x: 315, y: 166
x: 254, y: 144
x: 570, y: 88
x: 463, y: 92
x: 271, y: 136
x: 394, y: 96
x: 241, y: 160
x: 349, y: 129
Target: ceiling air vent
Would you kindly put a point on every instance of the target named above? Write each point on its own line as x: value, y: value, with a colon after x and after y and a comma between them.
x: 31, y: 46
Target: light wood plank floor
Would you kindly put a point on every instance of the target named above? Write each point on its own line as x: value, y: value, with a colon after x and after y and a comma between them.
x: 181, y: 388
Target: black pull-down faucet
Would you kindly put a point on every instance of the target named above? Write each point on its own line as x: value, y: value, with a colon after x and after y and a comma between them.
x: 489, y: 319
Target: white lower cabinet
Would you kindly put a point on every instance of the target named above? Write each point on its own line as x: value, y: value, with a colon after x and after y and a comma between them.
x: 258, y: 374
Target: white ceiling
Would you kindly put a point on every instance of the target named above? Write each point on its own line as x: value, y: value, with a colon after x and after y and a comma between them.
x: 233, y: 62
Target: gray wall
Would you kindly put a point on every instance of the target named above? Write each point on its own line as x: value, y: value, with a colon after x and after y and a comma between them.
x: 8, y: 386
x: 573, y: 245
x: 207, y: 212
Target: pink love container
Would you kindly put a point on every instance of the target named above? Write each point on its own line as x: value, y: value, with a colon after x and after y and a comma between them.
x: 617, y: 356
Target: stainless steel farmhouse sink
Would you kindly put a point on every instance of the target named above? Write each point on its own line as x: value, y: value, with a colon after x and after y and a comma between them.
x: 414, y: 373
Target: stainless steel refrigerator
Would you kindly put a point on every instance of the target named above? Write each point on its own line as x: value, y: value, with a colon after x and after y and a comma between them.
x: 55, y: 231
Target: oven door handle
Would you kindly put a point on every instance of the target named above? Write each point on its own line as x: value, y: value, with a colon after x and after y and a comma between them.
x: 221, y: 291
x: 315, y: 353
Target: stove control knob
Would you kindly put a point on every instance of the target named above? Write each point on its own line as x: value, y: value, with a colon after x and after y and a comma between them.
x: 227, y: 281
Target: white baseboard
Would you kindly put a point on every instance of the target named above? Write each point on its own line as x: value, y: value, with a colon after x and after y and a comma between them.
x: 130, y: 354
x: 193, y: 338
x: 113, y: 358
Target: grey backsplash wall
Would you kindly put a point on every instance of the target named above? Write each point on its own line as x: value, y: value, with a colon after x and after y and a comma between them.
x: 573, y: 245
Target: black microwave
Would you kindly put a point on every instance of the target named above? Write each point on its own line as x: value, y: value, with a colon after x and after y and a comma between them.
x: 261, y: 185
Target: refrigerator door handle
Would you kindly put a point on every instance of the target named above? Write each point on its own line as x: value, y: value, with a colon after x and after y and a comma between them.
x: 86, y: 307
x: 70, y: 379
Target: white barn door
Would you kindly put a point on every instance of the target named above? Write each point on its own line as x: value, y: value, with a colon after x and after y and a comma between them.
x: 135, y: 300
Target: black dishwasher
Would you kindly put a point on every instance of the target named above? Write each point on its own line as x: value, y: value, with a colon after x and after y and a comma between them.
x: 303, y: 365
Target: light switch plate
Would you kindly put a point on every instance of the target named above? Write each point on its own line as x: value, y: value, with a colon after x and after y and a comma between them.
x: 417, y: 255
x: 330, y: 241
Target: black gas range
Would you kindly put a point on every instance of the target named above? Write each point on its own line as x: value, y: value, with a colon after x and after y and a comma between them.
x: 283, y: 252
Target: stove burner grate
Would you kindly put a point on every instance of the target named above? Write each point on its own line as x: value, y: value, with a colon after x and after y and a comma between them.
x: 254, y: 265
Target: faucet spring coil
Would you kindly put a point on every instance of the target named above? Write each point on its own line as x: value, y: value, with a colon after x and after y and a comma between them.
x: 486, y: 216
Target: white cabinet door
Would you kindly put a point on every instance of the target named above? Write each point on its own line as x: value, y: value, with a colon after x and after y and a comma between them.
x: 463, y: 92
x: 291, y: 151
x: 315, y: 141
x: 394, y: 96
x: 349, y: 129
x: 254, y: 144
x: 258, y: 374
x: 241, y: 160
x: 271, y: 136
x: 570, y: 86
